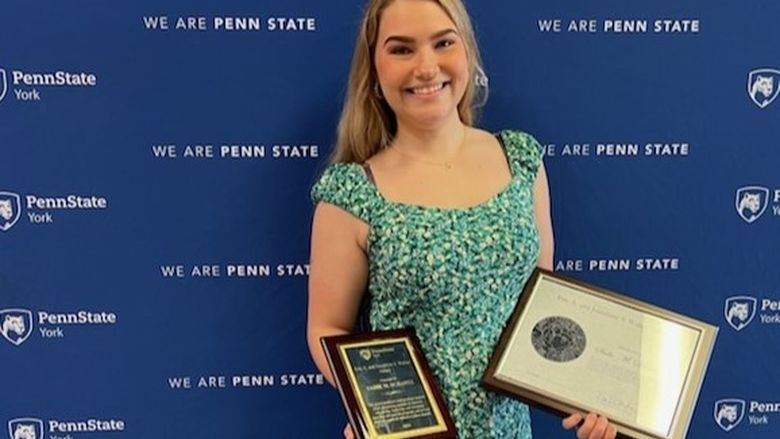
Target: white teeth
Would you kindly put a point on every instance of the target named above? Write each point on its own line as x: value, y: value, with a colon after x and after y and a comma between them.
x: 430, y: 89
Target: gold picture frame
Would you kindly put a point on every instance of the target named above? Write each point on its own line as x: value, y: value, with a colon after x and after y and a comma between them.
x: 573, y: 347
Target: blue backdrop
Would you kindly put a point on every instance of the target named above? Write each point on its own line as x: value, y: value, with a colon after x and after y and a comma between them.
x: 156, y: 162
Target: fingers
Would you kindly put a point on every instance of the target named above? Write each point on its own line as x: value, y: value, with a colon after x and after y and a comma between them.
x: 593, y: 426
x: 599, y: 428
x: 611, y: 432
x: 572, y: 421
x: 348, y: 432
x: 584, y: 431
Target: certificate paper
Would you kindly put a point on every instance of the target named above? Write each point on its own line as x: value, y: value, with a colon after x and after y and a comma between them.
x: 574, y: 347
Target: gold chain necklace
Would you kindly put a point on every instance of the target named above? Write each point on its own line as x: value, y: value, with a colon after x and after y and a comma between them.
x: 447, y: 165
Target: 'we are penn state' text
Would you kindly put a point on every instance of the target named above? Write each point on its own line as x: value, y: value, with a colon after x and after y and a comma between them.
x: 230, y: 24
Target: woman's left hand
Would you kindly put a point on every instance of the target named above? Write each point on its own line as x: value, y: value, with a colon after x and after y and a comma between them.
x: 594, y: 427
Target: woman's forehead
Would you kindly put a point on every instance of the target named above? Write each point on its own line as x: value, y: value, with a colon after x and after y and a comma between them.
x: 414, y: 18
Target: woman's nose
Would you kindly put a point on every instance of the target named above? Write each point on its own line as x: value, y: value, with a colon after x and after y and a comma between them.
x: 427, y: 65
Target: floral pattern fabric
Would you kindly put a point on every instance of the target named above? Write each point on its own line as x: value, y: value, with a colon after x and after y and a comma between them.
x: 454, y: 275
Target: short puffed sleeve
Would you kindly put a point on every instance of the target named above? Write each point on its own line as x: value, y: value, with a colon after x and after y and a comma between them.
x: 346, y: 186
x: 524, y: 154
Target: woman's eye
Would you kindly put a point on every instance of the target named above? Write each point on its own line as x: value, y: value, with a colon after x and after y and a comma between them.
x: 400, y: 50
x: 445, y: 43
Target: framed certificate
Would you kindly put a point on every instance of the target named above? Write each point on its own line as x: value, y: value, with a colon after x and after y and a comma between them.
x: 387, y: 387
x: 572, y: 347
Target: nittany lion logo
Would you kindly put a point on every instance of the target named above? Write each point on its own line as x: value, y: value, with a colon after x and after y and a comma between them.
x: 25, y: 428
x: 751, y: 202
x: 16, y: 325
x: 764, y: 86
x: 3, y: 85
x: 10, y: 210
x: 740, y: 310
x: 729, y: 413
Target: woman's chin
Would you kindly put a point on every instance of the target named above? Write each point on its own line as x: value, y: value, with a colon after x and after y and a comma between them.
x: 429, y: 116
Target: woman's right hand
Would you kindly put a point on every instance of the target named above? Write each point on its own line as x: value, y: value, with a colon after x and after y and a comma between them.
x: 348, y: 432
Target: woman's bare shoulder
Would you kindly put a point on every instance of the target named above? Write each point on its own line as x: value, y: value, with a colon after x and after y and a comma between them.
x: 382, y: 160
x: 483, y: 135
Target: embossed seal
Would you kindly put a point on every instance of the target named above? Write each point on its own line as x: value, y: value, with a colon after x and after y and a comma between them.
x: 558, y: 339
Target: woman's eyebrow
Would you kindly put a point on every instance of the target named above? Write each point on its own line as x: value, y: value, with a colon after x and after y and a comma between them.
x: 409, y: 40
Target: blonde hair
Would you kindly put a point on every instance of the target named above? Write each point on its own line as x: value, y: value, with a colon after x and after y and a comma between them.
x: 367, y: 123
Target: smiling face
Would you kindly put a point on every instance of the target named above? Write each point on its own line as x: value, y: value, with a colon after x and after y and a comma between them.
x: 421, y: 62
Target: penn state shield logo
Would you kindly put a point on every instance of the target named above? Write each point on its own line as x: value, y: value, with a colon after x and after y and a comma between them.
x: 739, y: 311
x: 16, y: 325
x: 729, y: 413
x: 3, y: 85
x: 10, y: 210
x: 25, y: 428
x: 365, y: 354
x: 764, y: 86
x: 751, y: 202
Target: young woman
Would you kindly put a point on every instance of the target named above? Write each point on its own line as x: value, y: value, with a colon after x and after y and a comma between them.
x: 437, y: 222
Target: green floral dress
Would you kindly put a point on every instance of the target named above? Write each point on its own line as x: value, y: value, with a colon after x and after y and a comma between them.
x: 452, y: 274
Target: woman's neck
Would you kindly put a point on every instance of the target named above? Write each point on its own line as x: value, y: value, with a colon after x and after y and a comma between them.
x: 442, y: 141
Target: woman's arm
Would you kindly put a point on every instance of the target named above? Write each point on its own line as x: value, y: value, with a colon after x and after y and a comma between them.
x: 543, y: 219
x: 337, y: 277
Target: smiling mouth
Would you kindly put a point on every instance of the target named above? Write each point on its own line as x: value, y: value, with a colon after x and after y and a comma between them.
x: 427, y: 89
